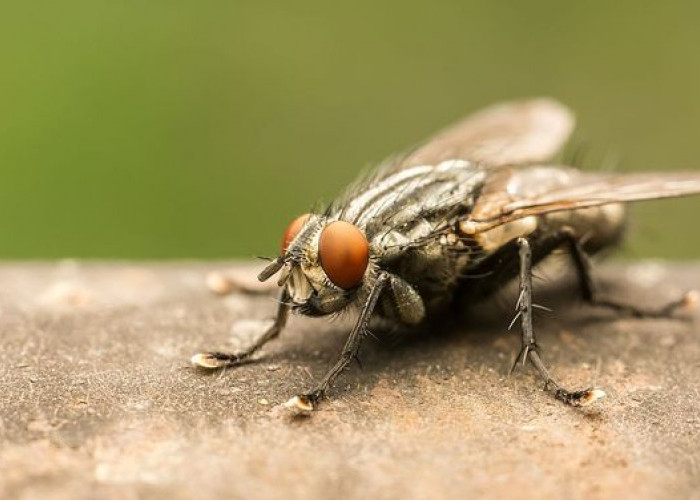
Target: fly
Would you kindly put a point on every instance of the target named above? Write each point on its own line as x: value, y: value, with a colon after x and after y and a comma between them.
x: 479, y: 199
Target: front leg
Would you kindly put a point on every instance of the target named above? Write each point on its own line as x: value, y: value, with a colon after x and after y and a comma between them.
x: 529, y: 349
x: 309, y: 401
x: 214, y: 360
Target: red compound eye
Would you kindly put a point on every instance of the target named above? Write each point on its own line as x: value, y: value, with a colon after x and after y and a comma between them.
x: 344, y: 254
x: 293, y: 229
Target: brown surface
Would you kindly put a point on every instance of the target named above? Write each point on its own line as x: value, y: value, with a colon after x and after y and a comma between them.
x: 98, y: 400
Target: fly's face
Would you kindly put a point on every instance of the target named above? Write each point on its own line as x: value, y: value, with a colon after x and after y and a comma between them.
x: 324, y: 264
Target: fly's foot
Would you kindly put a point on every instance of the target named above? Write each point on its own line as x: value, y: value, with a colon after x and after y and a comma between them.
x: 305, y: 403
x: 216, y: 360
x: 581, y: 398
x: 689, y: 302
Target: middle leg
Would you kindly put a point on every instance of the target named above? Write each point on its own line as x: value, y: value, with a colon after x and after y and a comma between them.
x: 529, y: 349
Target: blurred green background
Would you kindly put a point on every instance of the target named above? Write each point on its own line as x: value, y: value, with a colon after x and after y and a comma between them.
x: 173, y: 129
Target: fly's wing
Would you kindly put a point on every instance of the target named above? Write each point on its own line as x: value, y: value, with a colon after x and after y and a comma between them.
x: 512, y: 133
x: 515, y: 194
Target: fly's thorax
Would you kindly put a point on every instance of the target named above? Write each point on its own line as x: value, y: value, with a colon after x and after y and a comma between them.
x: 392, y: 243
x: 327, y: 265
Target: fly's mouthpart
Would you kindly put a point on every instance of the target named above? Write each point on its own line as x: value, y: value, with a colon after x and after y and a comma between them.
x: 298, y: 286
x: 284, y: 274
x: 291, y: 276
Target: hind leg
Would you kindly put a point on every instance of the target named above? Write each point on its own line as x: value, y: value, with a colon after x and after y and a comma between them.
x: 590, y: 294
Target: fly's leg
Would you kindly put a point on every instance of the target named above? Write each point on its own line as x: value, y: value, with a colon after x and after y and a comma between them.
x: 309, y: 401
x: 215, y: 360
x: 590, y: 294
x: 408, y: 303
x: 529, y: 349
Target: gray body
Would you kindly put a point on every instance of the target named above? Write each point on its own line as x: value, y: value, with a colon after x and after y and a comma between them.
x: 417, y: 223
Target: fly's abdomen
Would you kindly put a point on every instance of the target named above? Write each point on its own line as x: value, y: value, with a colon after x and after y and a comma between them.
x: 596, y: 227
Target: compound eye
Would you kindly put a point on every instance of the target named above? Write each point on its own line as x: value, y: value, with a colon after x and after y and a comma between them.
x: 292, y: 230
x: 344, y: 254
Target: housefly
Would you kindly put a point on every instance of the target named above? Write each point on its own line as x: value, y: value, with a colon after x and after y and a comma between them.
x: 478, y: 200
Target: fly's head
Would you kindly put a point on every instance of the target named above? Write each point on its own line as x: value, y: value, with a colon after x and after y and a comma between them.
x: 325, y: 264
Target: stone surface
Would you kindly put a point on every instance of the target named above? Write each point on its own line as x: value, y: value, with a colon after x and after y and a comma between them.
x: 97, y: 398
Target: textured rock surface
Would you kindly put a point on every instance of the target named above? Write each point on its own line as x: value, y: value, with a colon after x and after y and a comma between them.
x: 97, y: 398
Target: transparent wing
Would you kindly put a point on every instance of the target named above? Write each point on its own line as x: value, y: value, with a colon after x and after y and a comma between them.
x: 515, y: 194
x: 512, y: 133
